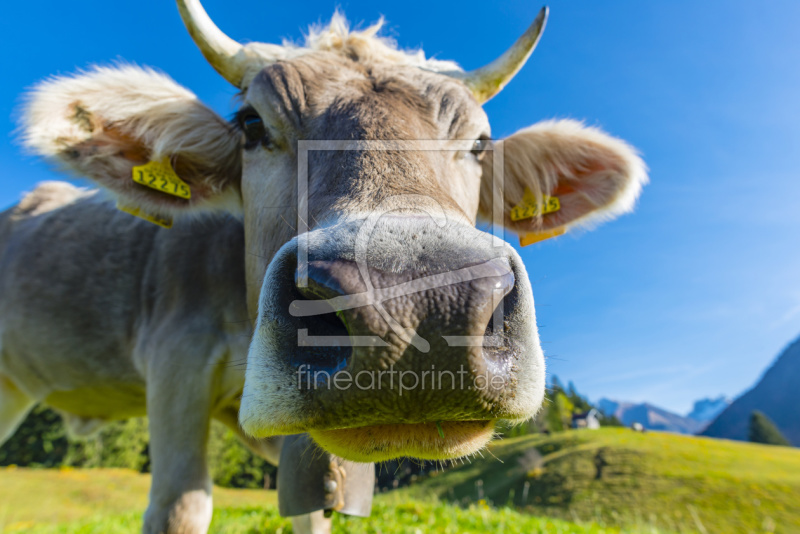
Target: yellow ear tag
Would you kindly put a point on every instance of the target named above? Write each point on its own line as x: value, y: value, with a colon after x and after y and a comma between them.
x: 535, y: 237
x: 529, y: 207
x: 160, y: 175
x: 164, y: 222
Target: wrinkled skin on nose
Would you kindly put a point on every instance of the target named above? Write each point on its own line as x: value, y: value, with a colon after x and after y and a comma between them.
x: 433, y: 325
x: 409, y: 314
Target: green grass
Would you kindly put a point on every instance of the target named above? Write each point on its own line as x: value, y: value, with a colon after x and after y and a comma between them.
x: 409, y: 518
x: 650, y: 483
x: 111, y: 501
x: 67, y: 494
x: 678, y: 483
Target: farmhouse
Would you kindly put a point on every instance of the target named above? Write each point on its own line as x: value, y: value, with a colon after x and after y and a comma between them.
x: 588, y: 420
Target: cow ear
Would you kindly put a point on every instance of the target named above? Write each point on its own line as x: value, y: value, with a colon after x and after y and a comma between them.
x: 560, y: 174
x: 108, y: 123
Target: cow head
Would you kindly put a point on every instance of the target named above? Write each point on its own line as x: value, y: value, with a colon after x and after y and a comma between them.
x: 386, y: 324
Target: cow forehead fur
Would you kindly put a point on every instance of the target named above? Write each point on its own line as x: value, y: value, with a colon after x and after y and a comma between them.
x: 360, y: 45
x: 332, y: 98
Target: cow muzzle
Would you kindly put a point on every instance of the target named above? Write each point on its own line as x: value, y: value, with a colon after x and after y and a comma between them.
x: 412, y: 344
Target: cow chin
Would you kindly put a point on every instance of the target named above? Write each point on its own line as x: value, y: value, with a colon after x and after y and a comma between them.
x: 426, y: 441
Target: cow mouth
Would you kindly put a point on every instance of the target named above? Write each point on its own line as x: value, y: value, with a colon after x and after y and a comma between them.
x: 427, y: 441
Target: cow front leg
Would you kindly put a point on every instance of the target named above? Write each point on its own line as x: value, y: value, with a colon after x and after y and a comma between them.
x: 313, y: 523
x: 178, y: 408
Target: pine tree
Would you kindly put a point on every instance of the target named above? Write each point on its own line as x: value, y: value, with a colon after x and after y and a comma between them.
x: 763, y: 430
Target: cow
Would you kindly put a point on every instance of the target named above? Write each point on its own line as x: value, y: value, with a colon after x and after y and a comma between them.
x: 327, y: 236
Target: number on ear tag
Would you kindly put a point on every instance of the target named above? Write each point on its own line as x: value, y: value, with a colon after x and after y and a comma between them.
x: 529, y: 207
x: 160, y: 175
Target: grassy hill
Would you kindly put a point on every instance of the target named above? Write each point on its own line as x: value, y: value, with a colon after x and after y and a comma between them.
x: 111, y: 501
x: 620, y: 477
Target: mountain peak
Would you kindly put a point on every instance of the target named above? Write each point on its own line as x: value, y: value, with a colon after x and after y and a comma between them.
x: 705, y: 410
x: 650, y: 416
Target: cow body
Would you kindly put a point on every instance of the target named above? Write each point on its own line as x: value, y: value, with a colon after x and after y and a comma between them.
x: 103, y: 315
x: 94, y: 301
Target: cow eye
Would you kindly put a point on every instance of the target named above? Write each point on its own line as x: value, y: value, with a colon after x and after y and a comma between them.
x: 254, y: 131
x: 479, y: 147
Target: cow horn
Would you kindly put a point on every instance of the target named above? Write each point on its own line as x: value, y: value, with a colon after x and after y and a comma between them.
x: 490, y: 79
x: 228, y: 57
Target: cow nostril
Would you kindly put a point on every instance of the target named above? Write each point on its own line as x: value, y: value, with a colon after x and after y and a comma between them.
x: 323, y: 338
x: 503, y: 293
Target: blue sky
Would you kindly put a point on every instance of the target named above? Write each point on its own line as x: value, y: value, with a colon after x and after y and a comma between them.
x: 695, y: 293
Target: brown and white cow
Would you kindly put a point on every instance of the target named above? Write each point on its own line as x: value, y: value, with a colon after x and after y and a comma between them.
x: 326, y: 233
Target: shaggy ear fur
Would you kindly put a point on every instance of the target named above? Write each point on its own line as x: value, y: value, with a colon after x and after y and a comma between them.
x: 102, y: 123
x: 596, y: 177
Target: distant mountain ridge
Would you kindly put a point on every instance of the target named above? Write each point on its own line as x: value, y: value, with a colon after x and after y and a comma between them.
x: 706, y: 410
x: 651, y: 417
x: 777, y: 395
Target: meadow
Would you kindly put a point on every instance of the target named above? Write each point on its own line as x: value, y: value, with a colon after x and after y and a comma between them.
x: 607, y: 481
x: 111, y: 501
